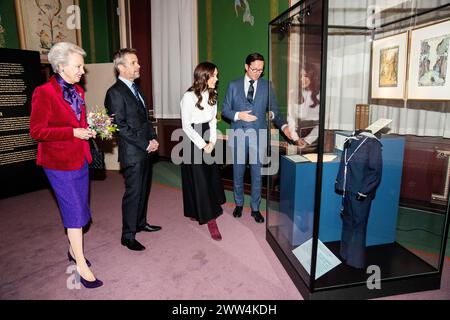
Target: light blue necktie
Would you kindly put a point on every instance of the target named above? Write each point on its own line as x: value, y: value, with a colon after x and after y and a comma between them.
x: 136, y: 94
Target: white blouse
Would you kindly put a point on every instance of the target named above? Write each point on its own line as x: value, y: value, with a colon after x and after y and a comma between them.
x: 303, y: 111
x: 190, y: 114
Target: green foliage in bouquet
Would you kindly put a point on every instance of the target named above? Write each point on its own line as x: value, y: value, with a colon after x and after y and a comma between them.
x: 100, y: 121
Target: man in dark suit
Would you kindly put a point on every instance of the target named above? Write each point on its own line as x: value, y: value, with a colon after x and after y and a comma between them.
x: 246, y: 103
x: 137, y: 142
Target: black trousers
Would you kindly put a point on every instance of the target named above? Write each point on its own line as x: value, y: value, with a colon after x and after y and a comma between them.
x: 135, y: 198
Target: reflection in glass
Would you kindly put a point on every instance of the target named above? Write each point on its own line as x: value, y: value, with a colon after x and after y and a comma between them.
x: 303, y: 117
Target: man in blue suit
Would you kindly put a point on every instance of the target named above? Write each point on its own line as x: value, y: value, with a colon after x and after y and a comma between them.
x: 246, y: 103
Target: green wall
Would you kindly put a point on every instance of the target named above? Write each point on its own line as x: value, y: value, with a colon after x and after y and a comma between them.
x: 99, y: 29
x: 226, y: 40
x: 100, y: 35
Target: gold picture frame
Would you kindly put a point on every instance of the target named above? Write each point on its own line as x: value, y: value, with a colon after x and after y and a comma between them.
x: 429, y: 68
x: 389, y: 59
x: 42, y: 23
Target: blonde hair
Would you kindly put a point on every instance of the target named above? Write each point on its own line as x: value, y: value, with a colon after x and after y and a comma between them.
x: 59, y: 54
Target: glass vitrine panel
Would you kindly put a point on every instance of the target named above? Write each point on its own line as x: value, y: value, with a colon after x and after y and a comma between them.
x: 363, y: 180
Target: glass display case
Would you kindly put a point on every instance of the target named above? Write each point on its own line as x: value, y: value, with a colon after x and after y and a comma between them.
x: 362, y: 85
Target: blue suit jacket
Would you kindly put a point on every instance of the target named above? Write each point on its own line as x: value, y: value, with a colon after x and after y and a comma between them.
x: 235, y: 101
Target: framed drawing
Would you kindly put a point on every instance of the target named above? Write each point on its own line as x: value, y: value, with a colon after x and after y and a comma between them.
x: 42, y: 23
x: 389, y: 67
x: 429, y: 70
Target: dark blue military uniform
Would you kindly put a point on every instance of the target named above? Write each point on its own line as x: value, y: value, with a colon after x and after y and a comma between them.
x: 358, y: 178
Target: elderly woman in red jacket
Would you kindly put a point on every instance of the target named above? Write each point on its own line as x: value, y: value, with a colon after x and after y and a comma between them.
x: 58, y: 123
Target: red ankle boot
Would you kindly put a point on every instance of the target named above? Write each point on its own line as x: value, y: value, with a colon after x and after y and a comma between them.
x: 214, y: 230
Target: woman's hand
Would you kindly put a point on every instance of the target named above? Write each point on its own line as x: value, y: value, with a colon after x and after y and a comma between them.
x: 209, y: 147
x: 84, y: 134
x: 94, y: 133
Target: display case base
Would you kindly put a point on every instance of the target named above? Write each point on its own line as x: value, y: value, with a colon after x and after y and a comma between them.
x: 421, y: 280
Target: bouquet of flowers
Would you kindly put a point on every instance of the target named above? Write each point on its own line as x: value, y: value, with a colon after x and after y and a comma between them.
x: 101, y: 122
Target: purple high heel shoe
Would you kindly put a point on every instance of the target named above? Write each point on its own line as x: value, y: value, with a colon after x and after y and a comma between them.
x: 72, y: 259
x: 90, y: 284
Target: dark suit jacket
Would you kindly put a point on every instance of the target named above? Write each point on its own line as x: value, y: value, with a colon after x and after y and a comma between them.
x: 135, y: 130
x: 364, y: 168
x: 51, y: 123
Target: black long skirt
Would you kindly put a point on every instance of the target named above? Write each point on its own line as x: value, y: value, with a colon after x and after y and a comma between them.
x: 203, y: 192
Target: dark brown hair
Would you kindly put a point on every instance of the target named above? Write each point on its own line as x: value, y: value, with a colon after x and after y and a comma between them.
x: 314, y: 86
x: 253, y: 57
x: 202, y: 73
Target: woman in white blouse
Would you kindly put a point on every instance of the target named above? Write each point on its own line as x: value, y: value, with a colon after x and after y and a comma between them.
x: 303, y: 118
x: 203, y: 192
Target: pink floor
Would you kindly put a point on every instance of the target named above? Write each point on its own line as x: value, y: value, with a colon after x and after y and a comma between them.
x: 181, y: 261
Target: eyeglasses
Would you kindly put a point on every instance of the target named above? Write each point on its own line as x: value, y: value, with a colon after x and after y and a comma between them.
x: 256, y: 70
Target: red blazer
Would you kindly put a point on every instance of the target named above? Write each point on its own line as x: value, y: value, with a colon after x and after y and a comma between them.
x: 51, y: 123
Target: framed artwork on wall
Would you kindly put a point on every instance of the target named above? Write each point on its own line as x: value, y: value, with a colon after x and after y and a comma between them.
x: 42, y: 23
x: 389, y: 57
x: 429, y: 70
x: 2, y: 34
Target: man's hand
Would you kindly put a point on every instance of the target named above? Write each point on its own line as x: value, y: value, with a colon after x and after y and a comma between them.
x: 287, y: 132
x: 246, y: 116
x: 209, y: 147
x: 301, y: 143
x: 153, y: 146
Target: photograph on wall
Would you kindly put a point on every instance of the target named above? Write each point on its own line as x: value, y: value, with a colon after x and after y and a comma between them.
x: 2, y: 34
x: 429, y: 69
x: 42, y: 23
x: 389, y: 67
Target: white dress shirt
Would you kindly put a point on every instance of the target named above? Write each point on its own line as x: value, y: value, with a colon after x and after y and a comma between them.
x: 304, y: 111
x: 246, y: 87
x: 190, y: 114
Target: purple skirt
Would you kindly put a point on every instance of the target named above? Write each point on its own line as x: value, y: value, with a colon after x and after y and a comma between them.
x: 71, y: 188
